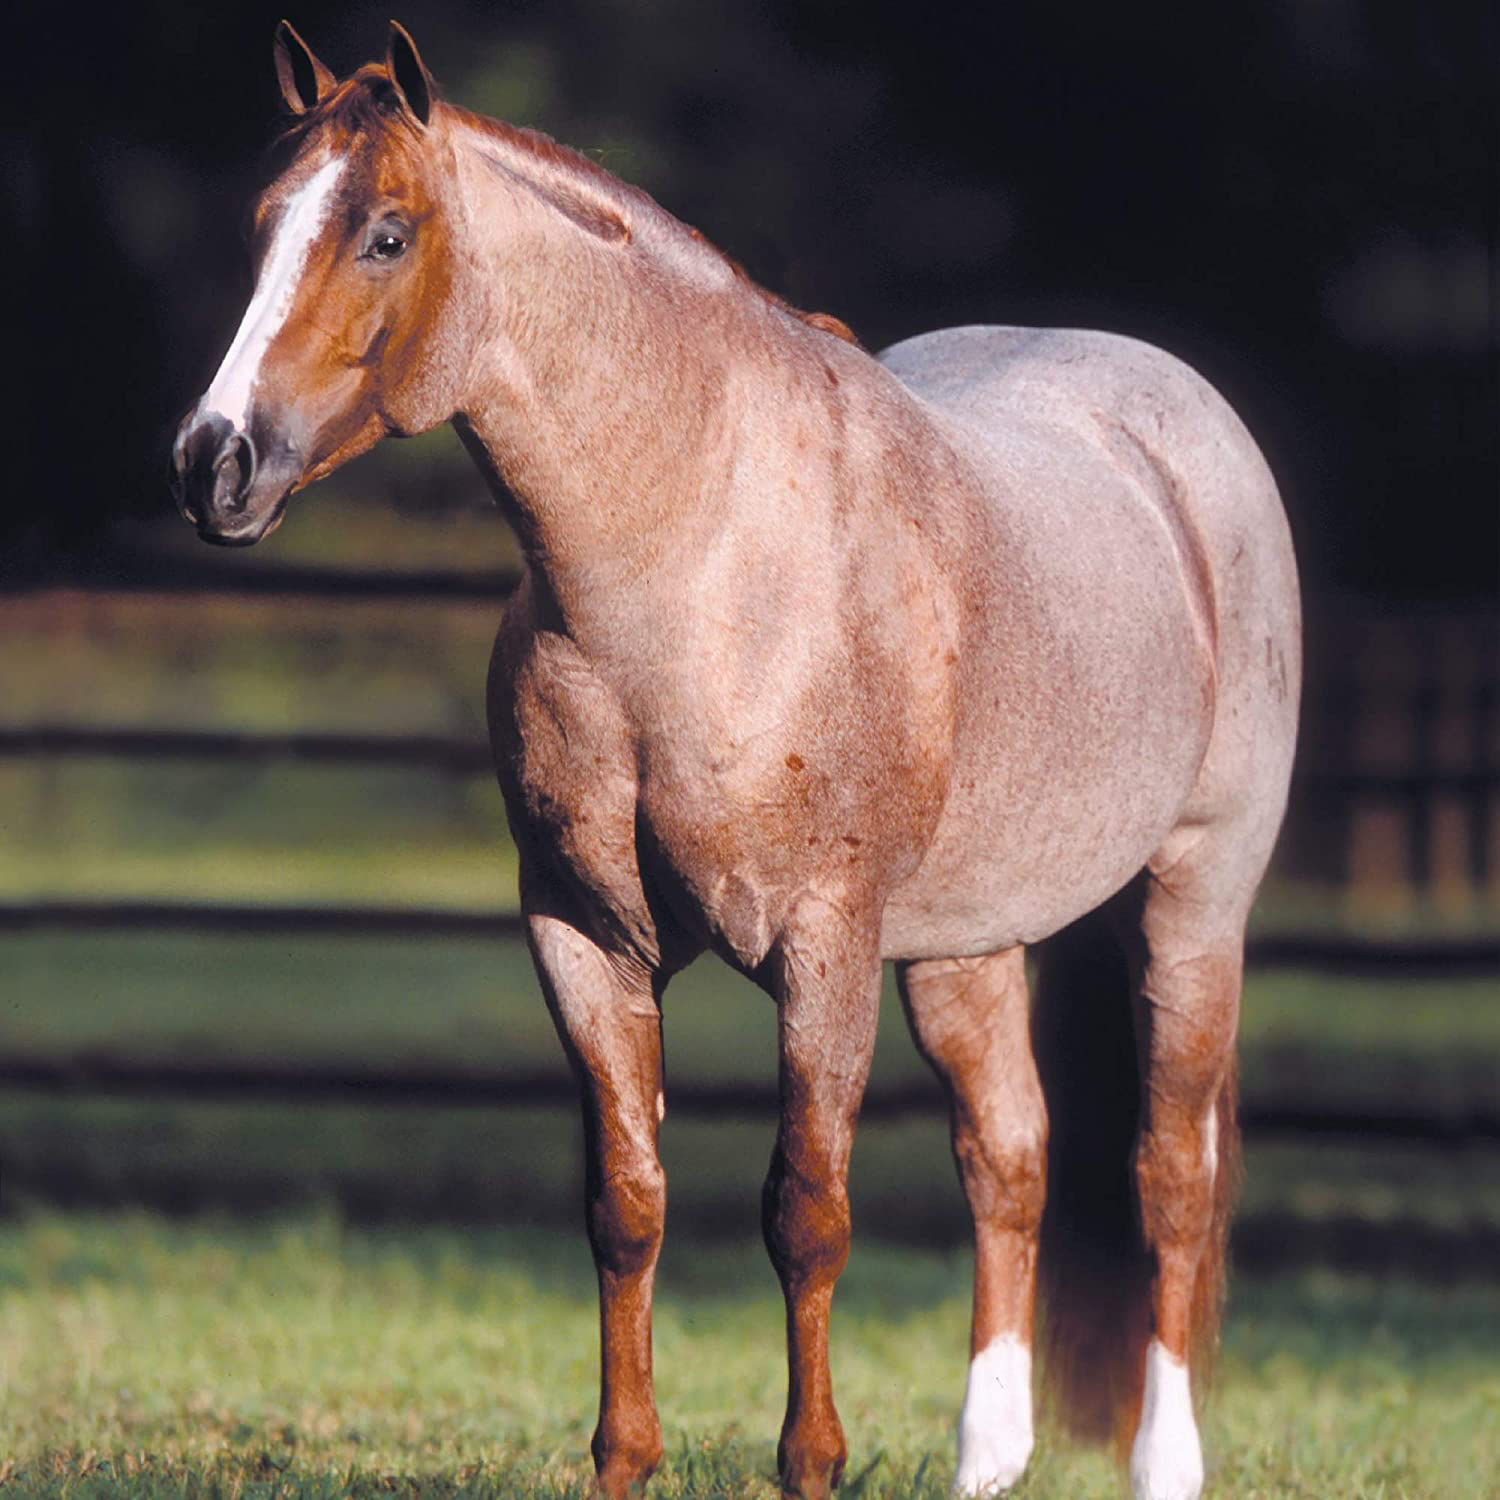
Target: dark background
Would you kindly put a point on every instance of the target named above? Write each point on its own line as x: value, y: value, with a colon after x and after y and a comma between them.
x: 1298, y: 198
x: 258, y: 937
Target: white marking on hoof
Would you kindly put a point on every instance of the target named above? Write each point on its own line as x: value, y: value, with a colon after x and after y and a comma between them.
x: 301, y: 219
x: 994, y: 1432
x: 1166, y: 1462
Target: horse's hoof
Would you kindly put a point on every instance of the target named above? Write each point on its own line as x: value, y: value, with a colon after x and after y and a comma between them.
x: 987, y: 1474
x: 624, y: 1481
x: 812, y: 1476
x: 623, y: 1467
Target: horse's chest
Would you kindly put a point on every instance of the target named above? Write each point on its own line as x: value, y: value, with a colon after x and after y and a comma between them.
x: 721, y: 827
x: 597, y: 813
x: 567, y: 764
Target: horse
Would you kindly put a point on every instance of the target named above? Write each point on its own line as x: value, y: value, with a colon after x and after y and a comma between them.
x: 821, y: 660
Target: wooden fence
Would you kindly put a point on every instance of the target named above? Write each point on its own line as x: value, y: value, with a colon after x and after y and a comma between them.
x: 1396, y: 799
x: 1396, y: 804
x: 1398, y: 789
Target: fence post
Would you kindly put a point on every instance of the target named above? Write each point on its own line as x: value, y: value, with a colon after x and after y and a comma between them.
x: 1452, y: 753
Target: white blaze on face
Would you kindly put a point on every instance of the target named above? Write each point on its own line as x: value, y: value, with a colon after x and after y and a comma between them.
x: 1166, y: 1462
x: 304, y: 214
x: 994, y: 1432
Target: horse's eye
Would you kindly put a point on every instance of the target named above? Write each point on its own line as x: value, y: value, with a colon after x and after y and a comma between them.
x: 386, y: 247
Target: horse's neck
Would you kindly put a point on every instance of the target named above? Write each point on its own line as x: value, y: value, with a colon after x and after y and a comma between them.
x: 601, y: 436
x: 607, y: 404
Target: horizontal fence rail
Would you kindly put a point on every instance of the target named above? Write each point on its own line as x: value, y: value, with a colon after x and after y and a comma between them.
x: 1335, y: 952
x: 129, y: 1077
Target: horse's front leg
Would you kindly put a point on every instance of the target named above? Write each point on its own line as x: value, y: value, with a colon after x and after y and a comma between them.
x: 607, y: 1014
x: 826, y: 980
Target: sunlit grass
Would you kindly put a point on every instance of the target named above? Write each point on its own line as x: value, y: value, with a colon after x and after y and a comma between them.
x: 138, y: 1358
x: 86, y: 829
x: 251, y: 663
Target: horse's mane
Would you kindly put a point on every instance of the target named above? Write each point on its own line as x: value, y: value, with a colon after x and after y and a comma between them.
x: 366, y: 103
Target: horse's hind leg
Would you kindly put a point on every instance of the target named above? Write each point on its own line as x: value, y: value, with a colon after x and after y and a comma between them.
x: 970, y: 1018
x: 607, y: 1015
x: 826, y: 980
x: 1188, y: 957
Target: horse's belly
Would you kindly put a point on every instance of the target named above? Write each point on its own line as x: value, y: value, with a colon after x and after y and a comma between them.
x: 1068, y: 774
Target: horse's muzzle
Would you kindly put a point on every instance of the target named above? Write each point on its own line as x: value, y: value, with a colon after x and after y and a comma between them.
x: 215, y: 468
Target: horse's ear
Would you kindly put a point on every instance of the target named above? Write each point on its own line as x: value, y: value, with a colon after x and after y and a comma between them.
x: 304, y: 81
x: 409, y: 73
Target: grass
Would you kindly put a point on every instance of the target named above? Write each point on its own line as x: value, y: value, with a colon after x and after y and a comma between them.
x: 298, y: 1355
x: 86, y: 829
x: 301, y: 1357
x: 255, y: 664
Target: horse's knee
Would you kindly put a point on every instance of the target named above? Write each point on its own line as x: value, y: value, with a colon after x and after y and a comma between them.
x: 805, y: 1219
x: 1004, y: 1173
x: 627, y: 1212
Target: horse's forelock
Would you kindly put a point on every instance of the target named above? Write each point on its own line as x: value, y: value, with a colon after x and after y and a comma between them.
x: 365, y: 103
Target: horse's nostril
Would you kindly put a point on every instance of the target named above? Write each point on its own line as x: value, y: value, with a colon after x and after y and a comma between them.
x: 234, y: 470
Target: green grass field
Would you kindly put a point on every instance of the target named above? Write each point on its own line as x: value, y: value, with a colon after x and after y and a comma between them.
x: 301, y: 1357
x: 230, y: 1298
x: 321, y: 1314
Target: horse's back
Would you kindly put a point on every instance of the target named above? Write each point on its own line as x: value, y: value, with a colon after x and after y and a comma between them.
x: 1152, y: 545
x: 1154, y: 414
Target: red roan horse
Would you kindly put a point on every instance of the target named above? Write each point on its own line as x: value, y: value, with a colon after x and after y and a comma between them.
x: 822, y: 659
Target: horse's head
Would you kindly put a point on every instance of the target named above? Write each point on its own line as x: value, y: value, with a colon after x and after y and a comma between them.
x: 354, y: 268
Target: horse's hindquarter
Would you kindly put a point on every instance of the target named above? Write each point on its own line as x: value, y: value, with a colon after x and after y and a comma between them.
x: 1088, y: 687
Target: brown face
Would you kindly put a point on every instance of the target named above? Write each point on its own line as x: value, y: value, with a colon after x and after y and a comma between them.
x: 353, y: 269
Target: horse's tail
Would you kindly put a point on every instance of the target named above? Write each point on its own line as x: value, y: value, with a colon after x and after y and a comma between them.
x: 1094, y: 1270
